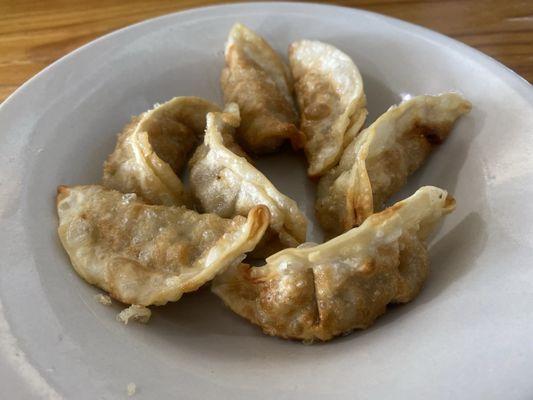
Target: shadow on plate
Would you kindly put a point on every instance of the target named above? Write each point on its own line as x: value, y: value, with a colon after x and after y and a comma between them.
x: 202, y: 313
x: 379, y: 98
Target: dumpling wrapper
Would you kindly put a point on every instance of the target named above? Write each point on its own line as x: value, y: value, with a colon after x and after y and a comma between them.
x: 326, y: 290
x: 147, y: 254
x: 224, y: 183
x: 256, y: 78
x: 332, y: 102
x: 378, y: 161
x: 153, y: 149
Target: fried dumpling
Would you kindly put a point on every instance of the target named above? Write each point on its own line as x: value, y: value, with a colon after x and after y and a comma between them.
x: 326, y: 290
x: 224, y: 182
x: 153, y: 149
x: 256, y: 78
x: 378, y: 161
x: 329, y: 91
x: 148, y: 254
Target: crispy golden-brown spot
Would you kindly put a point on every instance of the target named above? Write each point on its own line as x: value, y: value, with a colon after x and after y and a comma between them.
x: 257, y: 80
x: 143, y: 254
x: 319, y: 292
x: 377, y: 163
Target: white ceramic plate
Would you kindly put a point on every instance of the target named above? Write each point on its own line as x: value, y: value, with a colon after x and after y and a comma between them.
x: 469, y: 335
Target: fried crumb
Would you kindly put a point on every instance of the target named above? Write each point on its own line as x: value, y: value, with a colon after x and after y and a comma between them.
x: 103, y: 299
x: 136, y: 312
x: 131, y: 388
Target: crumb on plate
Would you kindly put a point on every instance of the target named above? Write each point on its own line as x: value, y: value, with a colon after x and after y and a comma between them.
x: 131, y: 388
x: 103, y: 299
x: 136, y: 312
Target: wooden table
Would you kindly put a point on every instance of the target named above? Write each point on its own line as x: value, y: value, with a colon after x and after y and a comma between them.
x: 33, y: 34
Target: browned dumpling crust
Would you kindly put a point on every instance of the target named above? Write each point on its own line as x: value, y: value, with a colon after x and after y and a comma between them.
x: 318, y: 292
x: 377, y: 163
x: 331, y: 99
x: 153, y: 149
x: 256, y: 78
x: 146, y: 254
x: 224, y: 182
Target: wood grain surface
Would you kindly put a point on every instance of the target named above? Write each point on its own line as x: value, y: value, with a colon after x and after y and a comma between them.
x: 34, y: 34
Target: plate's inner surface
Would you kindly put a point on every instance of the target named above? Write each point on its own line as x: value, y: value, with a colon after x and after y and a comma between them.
x: 197, y: 348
